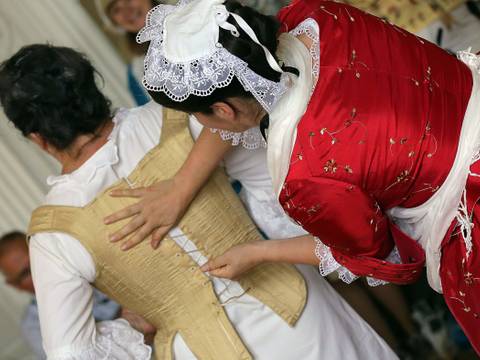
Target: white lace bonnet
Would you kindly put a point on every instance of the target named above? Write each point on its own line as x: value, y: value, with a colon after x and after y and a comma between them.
x: 185, y: 57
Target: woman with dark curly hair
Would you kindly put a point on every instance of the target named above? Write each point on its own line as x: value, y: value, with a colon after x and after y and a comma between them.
x: 49, y: 93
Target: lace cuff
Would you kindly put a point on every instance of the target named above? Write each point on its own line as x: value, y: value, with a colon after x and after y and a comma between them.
x: 250, y: 139
x: 114, y: 340
x: 328, y: 264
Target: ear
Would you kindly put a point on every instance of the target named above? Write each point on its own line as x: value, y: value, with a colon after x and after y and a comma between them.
x: 223, y: 110
x: 39, y: 140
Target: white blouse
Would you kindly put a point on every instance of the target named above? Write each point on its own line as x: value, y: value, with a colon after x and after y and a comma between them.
x: 63, y: 271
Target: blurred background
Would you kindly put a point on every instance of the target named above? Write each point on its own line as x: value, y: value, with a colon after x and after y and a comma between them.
x: 408, y: 318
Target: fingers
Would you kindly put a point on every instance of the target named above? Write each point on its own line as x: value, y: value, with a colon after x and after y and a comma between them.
x: 214, y: 264
x: 224, y: 272
x: 132, y: 226
x: 125, y: 213
x: 143, y: 233
x: 135, y: 193
x: 158, y: 235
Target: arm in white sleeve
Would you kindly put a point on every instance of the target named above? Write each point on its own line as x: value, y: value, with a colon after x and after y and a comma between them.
x: 63, y: 271
x: 31, y: 331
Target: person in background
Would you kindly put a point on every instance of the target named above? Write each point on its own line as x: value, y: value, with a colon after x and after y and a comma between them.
x: 451, y: 24
x: 71, y: 120
x: 15, y: 265
x: 127, y: 17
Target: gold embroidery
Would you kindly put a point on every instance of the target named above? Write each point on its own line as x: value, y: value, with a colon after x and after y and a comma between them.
x: 313, y: 209
x: 299, y: 157
x: 330, y: 166
x: 466, y: 308
x: 310, y: 140
x: 351, y: 18
x: 348, y: 123
x: 328, y: 12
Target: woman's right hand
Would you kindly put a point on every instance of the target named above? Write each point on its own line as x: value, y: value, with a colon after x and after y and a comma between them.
x: 162, y: 204
x: 160, y: 207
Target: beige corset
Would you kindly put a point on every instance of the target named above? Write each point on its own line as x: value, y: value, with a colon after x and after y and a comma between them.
x: 166, y: 286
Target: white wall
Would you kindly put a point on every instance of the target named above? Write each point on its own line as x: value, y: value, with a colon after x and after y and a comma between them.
x: 22, y: 168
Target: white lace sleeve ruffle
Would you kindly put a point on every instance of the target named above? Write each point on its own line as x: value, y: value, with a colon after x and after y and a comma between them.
x: 114, y: 340
x: 328, y: 264
x: 250, y: 139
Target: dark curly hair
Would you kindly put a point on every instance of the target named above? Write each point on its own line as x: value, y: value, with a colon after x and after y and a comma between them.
x: 51, y: 91
x: 266, y: 28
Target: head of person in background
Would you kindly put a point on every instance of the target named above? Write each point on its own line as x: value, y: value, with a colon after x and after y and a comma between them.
x: 126, y: 17
x: 15, y: 261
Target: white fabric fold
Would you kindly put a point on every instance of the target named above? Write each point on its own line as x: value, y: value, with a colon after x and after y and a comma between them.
x: 284, y: 118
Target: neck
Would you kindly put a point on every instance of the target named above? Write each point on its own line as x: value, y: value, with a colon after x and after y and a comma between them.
x: 77, y: 156
x: 259, y: 114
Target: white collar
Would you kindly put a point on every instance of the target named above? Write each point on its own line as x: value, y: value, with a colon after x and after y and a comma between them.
x: 106, y: 155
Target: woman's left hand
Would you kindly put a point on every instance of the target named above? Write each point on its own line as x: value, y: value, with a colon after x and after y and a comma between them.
x: 236, y: 261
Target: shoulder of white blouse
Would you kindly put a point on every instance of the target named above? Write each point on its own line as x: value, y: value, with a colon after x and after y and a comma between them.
x: 252, y: 138
x: 114, y: 340
x: 63, y: 253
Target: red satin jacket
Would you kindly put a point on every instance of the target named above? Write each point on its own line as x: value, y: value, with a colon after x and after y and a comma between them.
x: 381, y: 130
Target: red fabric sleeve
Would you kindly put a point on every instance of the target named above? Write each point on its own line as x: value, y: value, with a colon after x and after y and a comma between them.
x: 350, y: 221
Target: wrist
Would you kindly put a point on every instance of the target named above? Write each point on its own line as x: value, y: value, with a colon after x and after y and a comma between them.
x: 261, y: 251
x: 183, y: 188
